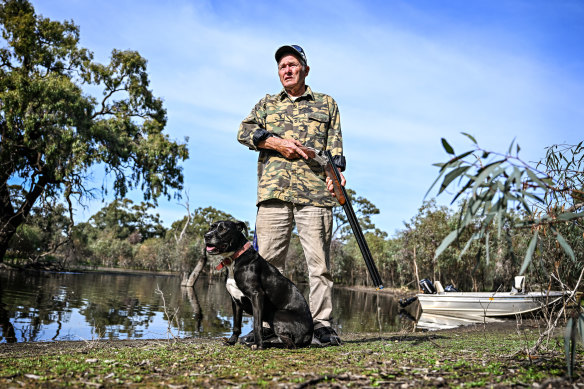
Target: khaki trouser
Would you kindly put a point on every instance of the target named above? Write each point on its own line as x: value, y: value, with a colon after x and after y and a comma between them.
x: 274, y: 223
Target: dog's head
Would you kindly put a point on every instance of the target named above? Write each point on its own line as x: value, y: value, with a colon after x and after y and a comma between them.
x: 225, y: 237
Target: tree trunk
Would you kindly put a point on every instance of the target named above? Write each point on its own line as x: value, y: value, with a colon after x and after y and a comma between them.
x: 3, y: 248
x: 416, y: 270
x: 7, y: 220
x: 7, y: 231
x: 11, y: 219
x: 194, y: 275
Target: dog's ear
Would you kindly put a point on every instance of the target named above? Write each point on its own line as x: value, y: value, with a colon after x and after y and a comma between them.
x: 242, y: 227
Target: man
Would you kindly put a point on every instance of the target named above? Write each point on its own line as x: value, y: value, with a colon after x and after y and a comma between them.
x: 291, y: 187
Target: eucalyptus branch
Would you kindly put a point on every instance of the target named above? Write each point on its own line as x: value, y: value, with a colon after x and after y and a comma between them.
x: 551, y: 328
x: 170, y: 318
x: 103, y: 110
x: 497, y: 184
x: 187, y: 222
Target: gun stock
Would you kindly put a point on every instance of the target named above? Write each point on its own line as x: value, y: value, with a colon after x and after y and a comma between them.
x: 337, y: 187
x: 330, y: 171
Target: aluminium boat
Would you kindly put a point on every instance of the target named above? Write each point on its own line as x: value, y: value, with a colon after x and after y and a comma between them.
x: 487, y: 304
x: 435, y: 321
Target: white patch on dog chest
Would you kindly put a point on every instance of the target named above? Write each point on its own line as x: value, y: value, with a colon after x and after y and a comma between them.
x: 231, y: 285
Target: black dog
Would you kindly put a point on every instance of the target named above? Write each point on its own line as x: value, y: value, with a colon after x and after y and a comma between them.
x: 259, y: 289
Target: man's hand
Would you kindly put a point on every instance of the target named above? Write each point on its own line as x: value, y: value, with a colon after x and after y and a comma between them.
x: 329, y: 183
x: 289, y: 148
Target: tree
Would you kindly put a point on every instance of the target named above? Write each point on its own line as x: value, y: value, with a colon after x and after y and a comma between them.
x: 363, y: 210
x: 551, y: 197
x: 421, y: 237
x: 53, y: 132
x: 424, y: 232
x: 43, y: 234
x: 112, y: 236
x: 125, y: 220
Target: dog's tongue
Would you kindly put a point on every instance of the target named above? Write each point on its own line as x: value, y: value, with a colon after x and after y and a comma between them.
x: 210, y: 248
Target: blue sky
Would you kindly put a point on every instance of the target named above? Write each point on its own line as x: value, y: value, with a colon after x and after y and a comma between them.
x: 404, y: 74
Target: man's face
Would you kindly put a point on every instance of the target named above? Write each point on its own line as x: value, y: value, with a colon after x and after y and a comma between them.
x: 292, y: 74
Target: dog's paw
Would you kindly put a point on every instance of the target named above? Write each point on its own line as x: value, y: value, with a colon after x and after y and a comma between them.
x: 225, y: 341
x: 257, y: 347
x: 231, y: 341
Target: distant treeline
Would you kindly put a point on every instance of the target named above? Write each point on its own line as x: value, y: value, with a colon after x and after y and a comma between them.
x: 131, y: 236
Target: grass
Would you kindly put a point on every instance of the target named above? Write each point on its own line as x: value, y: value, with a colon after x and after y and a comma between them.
x: 463, y: 358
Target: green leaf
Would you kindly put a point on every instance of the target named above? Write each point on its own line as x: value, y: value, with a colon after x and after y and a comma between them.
x: 434, y: 183
x: 488, y: 219
x: 511, y: 146
x: 446, y: 242
x: 515, y: 177
x: 487, y: 247
x: 580, y: 327
x: 461, y: 191
x: 451, y: 176
x: 461, y: 156
x: 467, y: 245
x: 525, y: 204
x: 529, y: 253
x: 536, y: 198
x: 536, y: 179
x: 568, y: 345
x: 469, y: 136
x: 443, y: 166
x: 565, y: 246
x: 447, y: 146
x: 486, y: 171
x: 570, y: 215
x: 499, y: 220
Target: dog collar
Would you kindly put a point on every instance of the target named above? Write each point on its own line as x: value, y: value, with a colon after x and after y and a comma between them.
x: 227, y: 261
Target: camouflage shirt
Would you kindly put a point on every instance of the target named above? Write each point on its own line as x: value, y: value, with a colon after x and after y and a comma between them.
x: 313, y: 119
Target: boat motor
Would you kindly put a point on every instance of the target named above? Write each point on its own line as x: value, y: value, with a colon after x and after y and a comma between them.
x: 405, y: 302
x: 427, y: 286
x: 518, y: 285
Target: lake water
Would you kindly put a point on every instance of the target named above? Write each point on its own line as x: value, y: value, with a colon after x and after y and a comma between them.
x: 86, y: 306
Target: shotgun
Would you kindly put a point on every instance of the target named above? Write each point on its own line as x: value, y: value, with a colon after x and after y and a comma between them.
x: 325, y: 159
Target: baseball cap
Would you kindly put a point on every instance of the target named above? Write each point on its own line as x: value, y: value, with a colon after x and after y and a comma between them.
x: 293, y: 49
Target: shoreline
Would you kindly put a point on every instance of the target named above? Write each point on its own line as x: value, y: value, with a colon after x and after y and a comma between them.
x: 114, y: 270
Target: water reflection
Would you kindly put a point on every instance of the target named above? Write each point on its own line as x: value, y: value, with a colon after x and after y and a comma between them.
x: 7, y: 331
x: 86, y: 306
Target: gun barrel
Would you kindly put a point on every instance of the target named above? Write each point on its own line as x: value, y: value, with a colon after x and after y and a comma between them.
x: 353, y: 221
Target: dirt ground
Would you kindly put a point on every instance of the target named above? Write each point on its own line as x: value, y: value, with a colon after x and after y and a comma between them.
x: 491, y: 355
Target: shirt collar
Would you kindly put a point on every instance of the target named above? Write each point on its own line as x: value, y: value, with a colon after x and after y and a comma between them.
x: 306, y: 95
